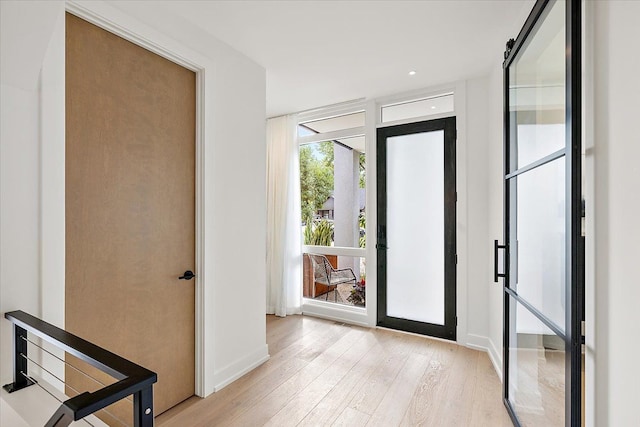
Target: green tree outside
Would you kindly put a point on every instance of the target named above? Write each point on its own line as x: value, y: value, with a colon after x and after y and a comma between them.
x: 316, y: 185
x: 316, y: 177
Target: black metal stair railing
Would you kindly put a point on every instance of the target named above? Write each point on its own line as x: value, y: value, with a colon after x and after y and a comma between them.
x: 132, y: 379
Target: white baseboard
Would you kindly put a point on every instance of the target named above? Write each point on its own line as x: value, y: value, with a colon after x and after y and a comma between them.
x: 478, y: 342
x: 351, y: 315
x: 232, y: 372
x: 496, y: 358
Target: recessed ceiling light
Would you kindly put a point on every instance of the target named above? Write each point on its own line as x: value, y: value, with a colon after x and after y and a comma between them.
x: 433, y: 107
x: 412, y: 73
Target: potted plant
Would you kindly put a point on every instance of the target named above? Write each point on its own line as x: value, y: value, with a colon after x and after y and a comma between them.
x: 357, y: 296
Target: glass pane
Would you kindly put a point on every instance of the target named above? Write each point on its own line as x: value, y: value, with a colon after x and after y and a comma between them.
x: 333, y: 194
x: 331, y: 124
x: 538, y: 273
x: 537, y: 91
x: 536, y: 370
x: 419, y: 108
x: 415, y: 227
x: 335, y: 278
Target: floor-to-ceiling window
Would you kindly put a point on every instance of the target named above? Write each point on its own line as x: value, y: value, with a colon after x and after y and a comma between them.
x: 333, y: 175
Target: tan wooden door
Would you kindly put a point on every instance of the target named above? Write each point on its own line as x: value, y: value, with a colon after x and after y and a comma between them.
x: 130, y: 205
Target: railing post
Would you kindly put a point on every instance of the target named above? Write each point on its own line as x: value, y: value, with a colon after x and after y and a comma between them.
x: 20, y: 379
x: 143, y: 408
x: 132, y: 378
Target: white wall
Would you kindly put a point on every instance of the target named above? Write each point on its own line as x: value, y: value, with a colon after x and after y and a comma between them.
x: 485, y: 202
x: 496, y: 210
x: 20, y: 247
x: 614, y: 330
x: 234, y: 180
x: 479, y: 257
x: 26, y: 32
x: 485, y: 211
x: 52, y: 186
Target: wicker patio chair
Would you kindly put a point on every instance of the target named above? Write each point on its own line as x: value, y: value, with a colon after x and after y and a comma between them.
x: 325, y: 274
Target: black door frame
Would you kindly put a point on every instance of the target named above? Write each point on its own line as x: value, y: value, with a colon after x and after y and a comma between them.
x: 448, y: 330
x: 574, y: 242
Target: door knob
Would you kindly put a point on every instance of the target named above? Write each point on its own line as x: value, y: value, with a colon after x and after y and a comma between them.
x: 188, y: 275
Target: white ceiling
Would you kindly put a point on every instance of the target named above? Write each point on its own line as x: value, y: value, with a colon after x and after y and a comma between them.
x: 323, y: 52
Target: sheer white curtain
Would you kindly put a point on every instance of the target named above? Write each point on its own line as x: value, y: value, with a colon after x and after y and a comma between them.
x: 284, y: 257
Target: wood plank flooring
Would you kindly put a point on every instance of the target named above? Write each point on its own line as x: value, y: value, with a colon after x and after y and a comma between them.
x: 324, y: 373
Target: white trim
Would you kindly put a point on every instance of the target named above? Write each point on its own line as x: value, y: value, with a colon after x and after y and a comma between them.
x: 328, y: 310
x: 104, y: 16
x: 199, y: 254
x: 331, y: 136
x: 589, y: 191
x: 83, y: 10
x: 496, y: 359
x: 478, y: 342
x: 337, y: 312
x: 462, y: 224
x: 414, y: 99
x: 422, y: 98
x: 415, y: 95
x: 233, y: 371
x: 372, y: 215
x: 334, y: 250
x: 331, y: 111
x: 417, y: 119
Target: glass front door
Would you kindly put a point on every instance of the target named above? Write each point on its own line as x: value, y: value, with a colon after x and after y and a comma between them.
x: 416, y: 227
x: 543, y: 281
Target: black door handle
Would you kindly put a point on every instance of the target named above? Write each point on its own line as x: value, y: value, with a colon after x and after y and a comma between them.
x: 497, y: 274
x: 188, y: 275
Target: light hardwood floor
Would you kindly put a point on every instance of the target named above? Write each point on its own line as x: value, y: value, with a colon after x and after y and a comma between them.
x: 326, y: 373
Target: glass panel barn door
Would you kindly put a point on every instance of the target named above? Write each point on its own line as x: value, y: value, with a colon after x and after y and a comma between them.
x: 543, y: 277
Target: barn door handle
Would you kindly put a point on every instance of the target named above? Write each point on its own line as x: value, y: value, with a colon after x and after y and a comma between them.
x: 188, y: 275
x: 496, y: 274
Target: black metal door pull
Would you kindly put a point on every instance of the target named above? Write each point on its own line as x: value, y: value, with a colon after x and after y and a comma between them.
x: 497, y: 274
x: 188, y: 275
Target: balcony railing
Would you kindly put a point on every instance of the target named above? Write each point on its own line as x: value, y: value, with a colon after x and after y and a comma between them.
x: 132, y: 379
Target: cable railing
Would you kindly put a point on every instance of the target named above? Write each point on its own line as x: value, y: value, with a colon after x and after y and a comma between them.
x: 131, y: 379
